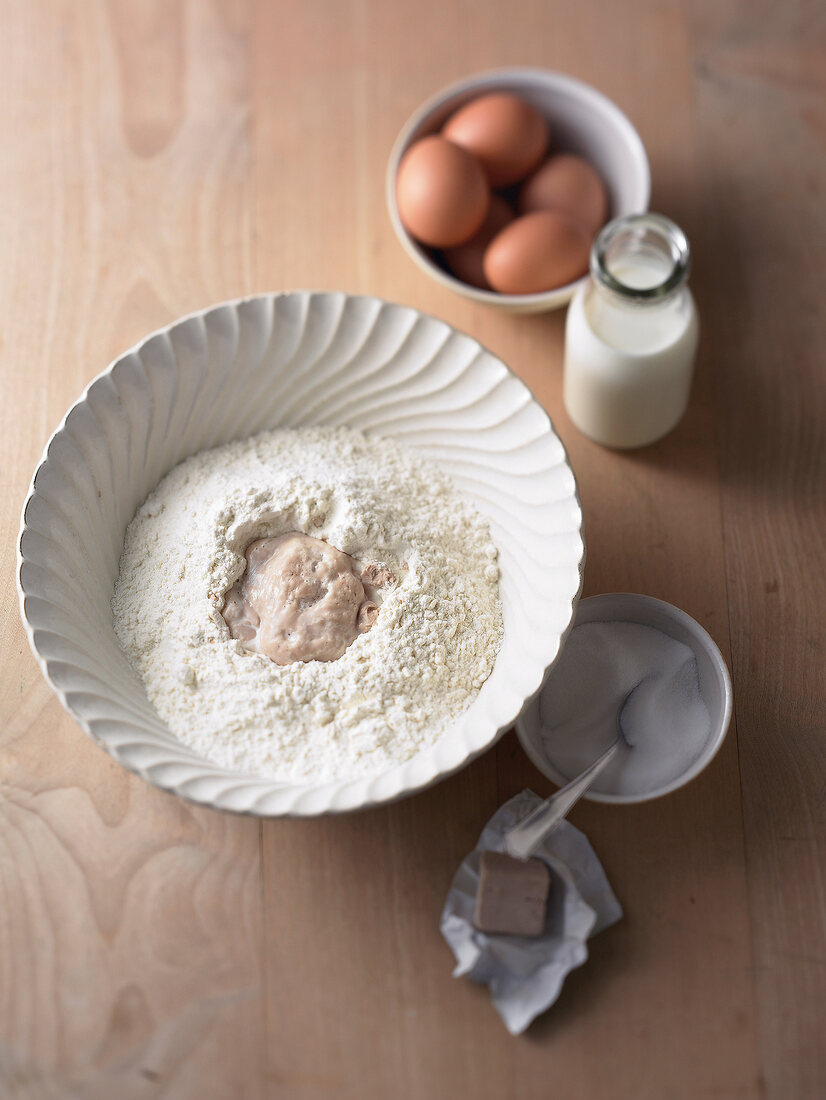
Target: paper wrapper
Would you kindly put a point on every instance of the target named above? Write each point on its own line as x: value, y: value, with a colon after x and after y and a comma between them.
x: 525, y: 974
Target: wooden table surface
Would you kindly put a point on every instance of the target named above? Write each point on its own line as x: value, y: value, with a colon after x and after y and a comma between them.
x: 158, y: 156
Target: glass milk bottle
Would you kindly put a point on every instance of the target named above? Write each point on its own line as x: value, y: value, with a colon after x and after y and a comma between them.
x: 631, y: 334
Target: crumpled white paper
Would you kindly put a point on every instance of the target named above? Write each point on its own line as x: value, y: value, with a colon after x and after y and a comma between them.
x: 525, y: 974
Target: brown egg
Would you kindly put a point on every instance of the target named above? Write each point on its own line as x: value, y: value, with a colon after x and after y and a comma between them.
x: 466, y: 260
x: 506, y: 135
x: 568, y: 183
x: 441, y: 192
x: 539, y: 251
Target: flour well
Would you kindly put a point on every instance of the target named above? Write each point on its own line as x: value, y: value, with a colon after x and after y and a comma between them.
x: 395, y: 690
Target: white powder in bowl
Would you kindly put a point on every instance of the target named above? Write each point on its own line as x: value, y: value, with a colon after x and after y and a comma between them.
x: 652, y: 680
x: 395, y: 690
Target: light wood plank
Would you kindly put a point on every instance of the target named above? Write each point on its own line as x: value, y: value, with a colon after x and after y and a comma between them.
x: 762, y: 113
x: 130, y: 922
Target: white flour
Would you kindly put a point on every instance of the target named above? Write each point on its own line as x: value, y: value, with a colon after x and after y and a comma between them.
x: 395, y: 689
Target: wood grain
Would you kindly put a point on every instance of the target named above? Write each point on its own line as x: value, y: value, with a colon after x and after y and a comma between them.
x: 157, y: 157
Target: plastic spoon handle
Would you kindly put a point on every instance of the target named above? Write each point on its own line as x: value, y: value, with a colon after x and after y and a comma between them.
x: 525, y: 837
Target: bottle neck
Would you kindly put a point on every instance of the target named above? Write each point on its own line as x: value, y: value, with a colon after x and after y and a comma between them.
x: 640, y: 261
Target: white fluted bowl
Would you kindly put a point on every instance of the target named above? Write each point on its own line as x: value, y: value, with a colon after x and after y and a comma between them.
x: 289, y: 360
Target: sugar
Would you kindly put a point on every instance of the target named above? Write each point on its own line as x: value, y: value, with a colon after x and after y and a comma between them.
x: 665, y: 723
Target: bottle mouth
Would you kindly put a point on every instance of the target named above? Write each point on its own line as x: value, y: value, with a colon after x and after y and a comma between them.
x: 641, y: 257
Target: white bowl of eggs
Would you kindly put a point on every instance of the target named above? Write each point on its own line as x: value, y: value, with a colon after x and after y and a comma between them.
x: 497, y: 185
